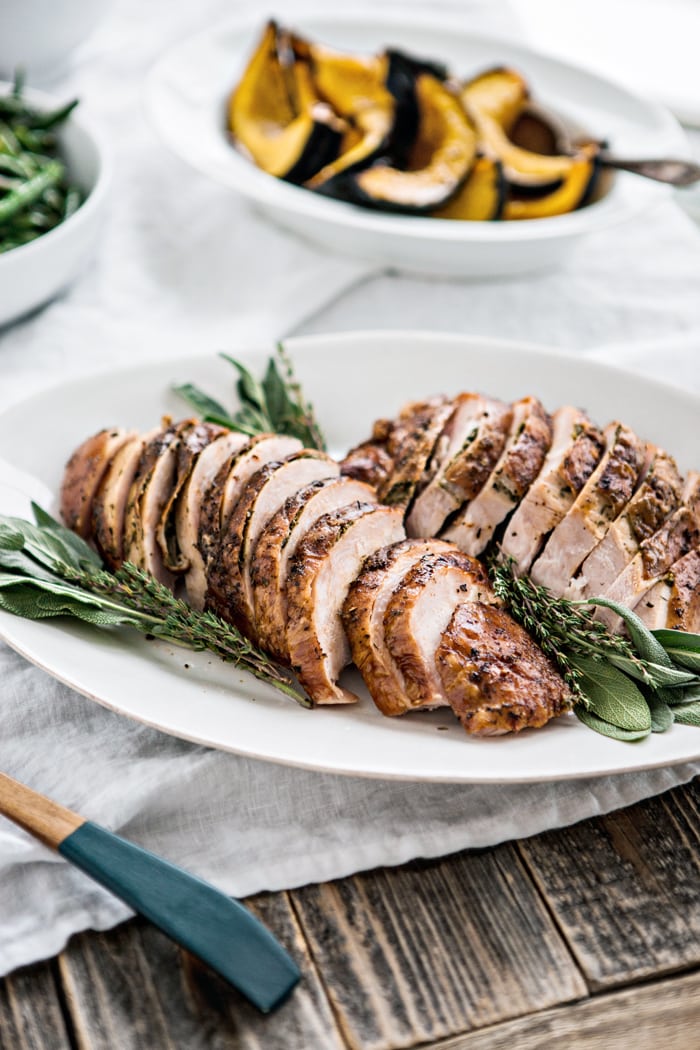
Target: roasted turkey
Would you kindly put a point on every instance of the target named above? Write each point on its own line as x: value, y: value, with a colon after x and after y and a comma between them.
x: 374, y: 559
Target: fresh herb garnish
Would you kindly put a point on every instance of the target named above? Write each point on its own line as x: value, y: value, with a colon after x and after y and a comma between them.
x: 275, y: 404
x: 46, y: 571
x: 624, y: 688
x: 35, y: 194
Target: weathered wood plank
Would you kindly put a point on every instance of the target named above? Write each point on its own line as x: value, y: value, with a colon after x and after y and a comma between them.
x: 663, y: 1015
x: 425, y: 951
x: 133, y: 989
x: 30, y: 1011
x: 625, y: 888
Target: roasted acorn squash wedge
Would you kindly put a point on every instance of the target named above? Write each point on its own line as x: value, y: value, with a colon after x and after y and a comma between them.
x: 575, y: 190
x: 438, y: 163
x: 523, y: 169
x: 498, y: 93
x: 481, y: 197
x: 540, y: 131
x: 355, y: 88
x: 276, y: 117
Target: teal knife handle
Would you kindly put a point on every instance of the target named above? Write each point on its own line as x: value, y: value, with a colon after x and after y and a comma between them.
x: 209, y: 924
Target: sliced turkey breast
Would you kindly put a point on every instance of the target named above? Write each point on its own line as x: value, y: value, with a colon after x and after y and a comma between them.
x: 192, y: 443
x: 230, y: 591
x: 607, y: 491
x: 84, y: 472
x: 148, y: 497
x: 363, y: 617
x: 684, y: 601
x: 369, y: 463
x: 277, y: 545
x: 221, y: 496
x: 497, y: 680
x: 418, y: 612
x: 576, y: 448
x: 656, y: 498
x: 326, y: 562
x: 188, y: 512
x: 465, y: 455
x: 109, y: 503
x: 411, y: 445
x: 678, y: 535
x: 674, y: 601
x: 526, y: 446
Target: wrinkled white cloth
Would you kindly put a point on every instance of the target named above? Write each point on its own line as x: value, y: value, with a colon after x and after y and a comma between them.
x: 172, y: 276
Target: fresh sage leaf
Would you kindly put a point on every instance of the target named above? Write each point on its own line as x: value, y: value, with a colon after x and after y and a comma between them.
x: 648, y: 647
x: 607, y: 728
x: 683, y: 696
x: 661, y: 712
x: 683, y: 640
x: 249, y: 389
x: 661, y: 675
x: 11, y: 538
x: 210, y: 410
x: 87, y: 557
x: 612, y: 695
x: 685, y: 658
x: 36, y: 599
x: 280, y: 408
x: 687, y: 714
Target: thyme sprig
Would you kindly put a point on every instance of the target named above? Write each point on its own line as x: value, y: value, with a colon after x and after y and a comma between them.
x: 562, y: 630
x: 48, y: 571
x: 623, y: 687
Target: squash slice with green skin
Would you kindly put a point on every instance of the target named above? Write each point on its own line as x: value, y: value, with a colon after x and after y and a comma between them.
x: 276, y: 117
x: 574, y: 190
x: 481, y: 197
x: 522, y: 169
x: 355, y: 89
x: 438, y: 164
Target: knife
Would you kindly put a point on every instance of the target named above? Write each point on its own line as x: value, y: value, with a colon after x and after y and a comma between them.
x: 217, y: 929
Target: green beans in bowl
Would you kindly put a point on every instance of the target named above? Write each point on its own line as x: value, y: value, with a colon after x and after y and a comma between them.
x: 53, y: 180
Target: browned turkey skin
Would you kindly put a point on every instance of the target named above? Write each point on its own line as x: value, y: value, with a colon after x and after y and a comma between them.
x: 310, y: 559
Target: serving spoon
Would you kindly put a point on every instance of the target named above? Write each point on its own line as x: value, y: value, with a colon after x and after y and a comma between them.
x: 672, y: 172
x: 206, y: 922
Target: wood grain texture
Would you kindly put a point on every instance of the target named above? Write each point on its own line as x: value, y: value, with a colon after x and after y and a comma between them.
x: 37, y: 814
x: 414, y: 954
x: 625, y: 888
x: 663, y: 1015
x: 30, y: 1011
x: 132, y: 989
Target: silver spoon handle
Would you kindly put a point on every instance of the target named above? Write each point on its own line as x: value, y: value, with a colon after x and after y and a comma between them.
x: 673, y: 172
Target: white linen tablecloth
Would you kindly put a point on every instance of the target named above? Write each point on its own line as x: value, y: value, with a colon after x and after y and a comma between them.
x: 172, y: 276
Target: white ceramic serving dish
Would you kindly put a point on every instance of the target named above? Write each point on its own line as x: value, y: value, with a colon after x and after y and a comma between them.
x: 188, y: 88
x: 194, y: 695
x: 36, y: 272
x: 40, y: 36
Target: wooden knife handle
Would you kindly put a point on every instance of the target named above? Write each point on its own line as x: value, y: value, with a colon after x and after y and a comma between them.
x: 37, y: 814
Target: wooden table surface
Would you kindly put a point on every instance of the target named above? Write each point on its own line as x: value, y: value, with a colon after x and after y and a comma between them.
x: 588, y: 937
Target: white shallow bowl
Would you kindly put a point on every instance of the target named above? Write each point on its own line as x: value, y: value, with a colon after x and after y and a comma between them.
x: 188, y: 88
x: 36, y: 272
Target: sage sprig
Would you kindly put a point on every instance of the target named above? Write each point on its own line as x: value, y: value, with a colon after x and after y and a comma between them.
x: 48, y: 571
x: 623, y: 687
x: 274, y: 404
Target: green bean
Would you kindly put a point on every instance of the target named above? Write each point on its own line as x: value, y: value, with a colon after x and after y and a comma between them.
x: 73, y: 201
x: 31, y: 190
x: 34, y: 194
x: 44, y: 121
x: 33, y: 140
x: 8, y: 140
x: 17, y: 166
